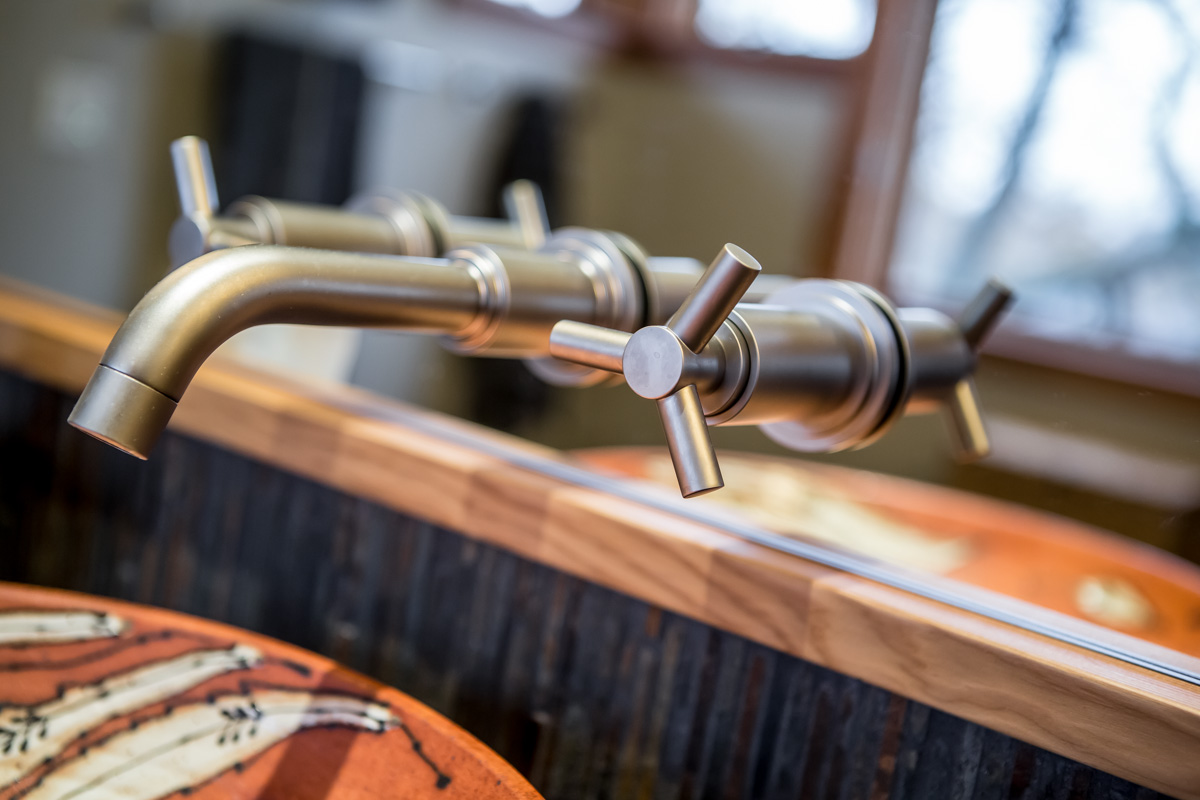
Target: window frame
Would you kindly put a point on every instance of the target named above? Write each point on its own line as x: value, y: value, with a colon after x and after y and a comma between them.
x: 665, y: 29
x: 866, y: 233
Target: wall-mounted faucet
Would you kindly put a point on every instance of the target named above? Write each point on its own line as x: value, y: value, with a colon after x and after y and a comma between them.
x: 481, y: 300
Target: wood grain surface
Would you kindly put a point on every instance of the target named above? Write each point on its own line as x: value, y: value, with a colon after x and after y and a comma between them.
x: 1051, y: 562
x: 1102, y: 712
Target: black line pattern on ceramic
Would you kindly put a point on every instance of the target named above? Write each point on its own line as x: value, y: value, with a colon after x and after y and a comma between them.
x: 198, y: 742
x: 23, y: 627
x: 30, y: 735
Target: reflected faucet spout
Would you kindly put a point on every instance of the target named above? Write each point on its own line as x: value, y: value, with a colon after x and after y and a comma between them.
x: 181, y: 321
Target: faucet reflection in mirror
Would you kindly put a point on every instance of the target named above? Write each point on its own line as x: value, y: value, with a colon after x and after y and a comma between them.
x: 820, y: 365
x: 398, y: 223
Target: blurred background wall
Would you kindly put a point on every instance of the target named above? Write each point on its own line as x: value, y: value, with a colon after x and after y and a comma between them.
x: 636, y: 118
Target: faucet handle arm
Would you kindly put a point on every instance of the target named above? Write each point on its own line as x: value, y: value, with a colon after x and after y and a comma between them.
x: 976, y: 322
x: 719, y: 289
x: 194, y: 176
x: 692, y: 452
x: 589, y: 345
x: 983, y: 312
x: 525, y: 206
x: 966, y: 422
x: 664, y: 363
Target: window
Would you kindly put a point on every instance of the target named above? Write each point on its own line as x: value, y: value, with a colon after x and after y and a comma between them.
x: 1057, y: 146
x: 834, y: 29
x: 545, y: 8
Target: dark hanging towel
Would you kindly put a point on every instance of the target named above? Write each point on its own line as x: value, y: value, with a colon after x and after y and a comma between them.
x: 289, y: 120
x: 504, y: 394
x: 531, y: 153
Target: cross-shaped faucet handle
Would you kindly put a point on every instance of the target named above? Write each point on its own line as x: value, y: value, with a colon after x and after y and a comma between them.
x: 665, y: 362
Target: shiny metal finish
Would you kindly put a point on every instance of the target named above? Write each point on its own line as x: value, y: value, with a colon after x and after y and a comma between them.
x: 618, y: 289
x: 462, y: 231
x: 480, y: 299
x: 714, y: 296
x: 122, y: 411
x: 192, y: 237
x: 821, y: 366
x: 665, y: 363
x: 831, y: 366
x: 939, y: 357
x: 521, y: 295
x: 943, y: 359
x: 657, y: 363
x: 387, y: 222
x: 976, y: 322
x: 525, y: 206
x: 179, y: 322
x: 198, y: 229
x: 311, y: 225
x: 409, y: 214
x: 183, y: 319
x: 576, y: 275
x: 669, y: 279
x: 966, y: 421
x: 912, y: 360
x: 723, y: 385
x: 194, y: 176
x: 597, y: 347
x: 983, y: 312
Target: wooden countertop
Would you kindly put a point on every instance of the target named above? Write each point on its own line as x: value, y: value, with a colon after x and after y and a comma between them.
x: 1132, y: 722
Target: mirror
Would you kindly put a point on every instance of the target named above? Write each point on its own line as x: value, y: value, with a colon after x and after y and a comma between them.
x: 918, y: 146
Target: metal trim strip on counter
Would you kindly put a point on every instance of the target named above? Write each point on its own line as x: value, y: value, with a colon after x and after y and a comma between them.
x: 992, y: 605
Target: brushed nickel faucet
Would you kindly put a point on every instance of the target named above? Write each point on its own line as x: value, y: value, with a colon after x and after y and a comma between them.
x: 820, y: 366
x: 397, y: 223
x: 481, y: 300
x: 384, y: 221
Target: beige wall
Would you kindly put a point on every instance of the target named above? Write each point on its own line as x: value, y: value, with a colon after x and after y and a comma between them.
x: 88, y: 96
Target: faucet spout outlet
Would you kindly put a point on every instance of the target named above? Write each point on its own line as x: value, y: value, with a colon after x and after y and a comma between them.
x: 122, y: 411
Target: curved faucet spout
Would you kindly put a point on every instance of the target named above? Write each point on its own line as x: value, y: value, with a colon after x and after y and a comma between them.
x: 183, y: 319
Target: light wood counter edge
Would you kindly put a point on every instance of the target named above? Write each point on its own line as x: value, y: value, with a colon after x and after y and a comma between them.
x: 1119, y: 718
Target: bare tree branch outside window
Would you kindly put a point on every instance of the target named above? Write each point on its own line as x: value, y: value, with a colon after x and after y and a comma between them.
x: 1058, y: 146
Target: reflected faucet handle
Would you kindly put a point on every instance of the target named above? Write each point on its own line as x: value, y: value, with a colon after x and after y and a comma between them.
x: 663, y: 362
x: 983, y: 312
x: 194, y: 178
x: 525, y: 206
x: 198, y: 229
x: 975, y: 322
x: 194, y: 231
x: 967, y: 431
